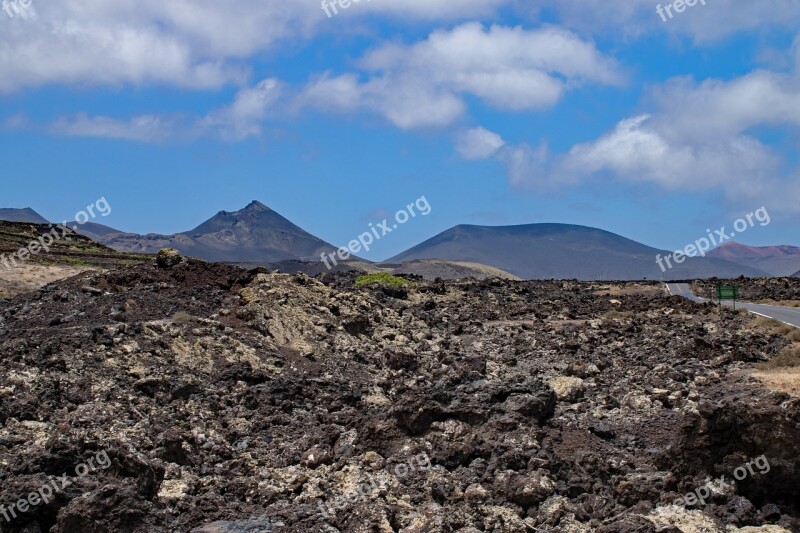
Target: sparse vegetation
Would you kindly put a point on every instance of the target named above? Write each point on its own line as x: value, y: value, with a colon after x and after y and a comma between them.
x: 776, y: 327
x: 618, y: 315
x: 789, y: 357
x: 784, y: 303
x: 181, y: 317
x: 381, y: 278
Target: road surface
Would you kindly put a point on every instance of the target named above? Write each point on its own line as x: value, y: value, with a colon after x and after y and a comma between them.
x: 787, y: 315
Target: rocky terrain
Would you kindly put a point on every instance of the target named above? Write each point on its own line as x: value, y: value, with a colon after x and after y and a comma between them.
x: 246, y: 401
x: 767, y: 290
x: 429, y: 269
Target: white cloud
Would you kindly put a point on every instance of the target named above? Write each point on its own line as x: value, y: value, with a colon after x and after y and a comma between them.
x: 637, y: 151
x: 241, y: 119
x: 478, y: 143
x: 145, y: 128
x: 424, y: 84
x: 700, y: 137
x: 194, y: 44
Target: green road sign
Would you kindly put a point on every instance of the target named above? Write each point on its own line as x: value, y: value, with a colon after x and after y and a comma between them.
x: 727, y: 292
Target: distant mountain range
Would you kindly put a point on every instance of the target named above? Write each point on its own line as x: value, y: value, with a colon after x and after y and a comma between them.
x: 775, y: 260
x: 542, y: 251
x: 257, y: 235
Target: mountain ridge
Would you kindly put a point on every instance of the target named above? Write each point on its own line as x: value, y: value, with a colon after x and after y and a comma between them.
x: 26, y: 214
x: 256, y: 234
x: 552, y: 250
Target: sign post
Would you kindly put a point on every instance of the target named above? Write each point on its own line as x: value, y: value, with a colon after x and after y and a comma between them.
x: 727, y: 292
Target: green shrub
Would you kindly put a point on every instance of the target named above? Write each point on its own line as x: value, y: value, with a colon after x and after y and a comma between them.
x: 382, y: 278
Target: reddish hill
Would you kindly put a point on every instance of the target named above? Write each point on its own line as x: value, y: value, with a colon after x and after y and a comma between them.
x: 777, y: 260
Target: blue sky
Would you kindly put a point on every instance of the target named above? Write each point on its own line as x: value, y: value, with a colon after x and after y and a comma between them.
x: 497, y: 111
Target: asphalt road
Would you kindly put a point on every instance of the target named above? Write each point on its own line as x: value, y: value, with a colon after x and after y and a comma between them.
x: 787, y: 315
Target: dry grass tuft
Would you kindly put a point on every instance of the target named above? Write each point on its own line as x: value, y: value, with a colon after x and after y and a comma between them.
x: 789, y: 357
x: 783, y: 303
x: 631, y: 289
x: 617, y: 315
x: 181, y: 317
x: 770, y: 326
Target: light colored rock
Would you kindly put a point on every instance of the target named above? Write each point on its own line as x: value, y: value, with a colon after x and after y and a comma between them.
x: 685, y: 520
x: 636, y: 401
x: 567, y: 388
x: 476, y: 492
x: 762, y: 529
x: 173, y: 489
x: 374, y: 460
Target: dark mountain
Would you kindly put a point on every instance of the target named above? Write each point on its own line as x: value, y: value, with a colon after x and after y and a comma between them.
x: 796, y: 274
x: 22, y: 215
x: 88, y: 229
x: 93, y: 230
x: 543, y: 251
x: 776, y: 260
x: 255, y: 234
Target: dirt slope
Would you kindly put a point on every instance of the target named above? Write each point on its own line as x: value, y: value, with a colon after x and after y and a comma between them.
x: 67, y: 254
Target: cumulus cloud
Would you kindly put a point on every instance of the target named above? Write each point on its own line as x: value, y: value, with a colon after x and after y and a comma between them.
x: 193, y: 44
x: 479, y: 143
x: 424, y: 84
x: 244, y: 117
x: 145, y: 128
x: 200, y: 44
x: 700, y: 137
x: 241, y: 119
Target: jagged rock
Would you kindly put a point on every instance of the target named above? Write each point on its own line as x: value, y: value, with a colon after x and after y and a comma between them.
x: 168, y: 258
x: 569, y: 389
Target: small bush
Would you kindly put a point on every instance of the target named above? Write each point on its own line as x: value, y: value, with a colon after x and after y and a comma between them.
x: 789, y: 357
x: 381, y: 278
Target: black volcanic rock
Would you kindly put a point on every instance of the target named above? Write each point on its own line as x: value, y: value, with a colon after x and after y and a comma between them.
x: 255, y: 234
x: 562, y: 251
x: 22, y: 215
